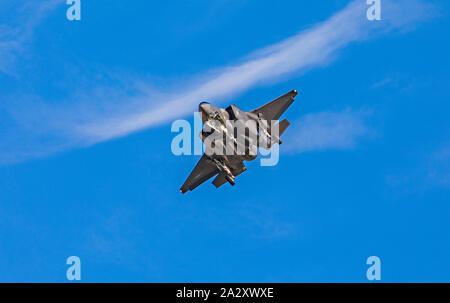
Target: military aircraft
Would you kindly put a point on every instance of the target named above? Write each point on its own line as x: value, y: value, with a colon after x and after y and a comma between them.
x: 261, y: 129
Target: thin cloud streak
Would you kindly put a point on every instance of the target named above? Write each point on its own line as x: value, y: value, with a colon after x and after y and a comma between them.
x: 328, y: 130
x: 97, y: 117
x: 14, y: 38
x: 439, y: 167
x: 310, y: 48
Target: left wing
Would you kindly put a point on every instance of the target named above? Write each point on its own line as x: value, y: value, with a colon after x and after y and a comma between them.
x: 204, y: 170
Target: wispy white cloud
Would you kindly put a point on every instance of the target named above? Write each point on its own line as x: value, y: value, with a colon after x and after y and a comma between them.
x: 328, y: 130
x: 430, y: 171
x: 439, y: 167
x: 15, y: 36
x: 79, y: 125
x: 313, y: 47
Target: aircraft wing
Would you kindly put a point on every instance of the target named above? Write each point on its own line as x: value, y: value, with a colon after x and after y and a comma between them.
x: 204, y: 170
x: 274, y: 109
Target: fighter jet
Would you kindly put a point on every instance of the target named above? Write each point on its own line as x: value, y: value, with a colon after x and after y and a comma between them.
x: 237, y: 137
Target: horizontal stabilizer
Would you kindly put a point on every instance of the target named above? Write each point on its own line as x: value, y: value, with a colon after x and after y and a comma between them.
x: 283, y: 125
x: 220, y: 180
x: 275, y: 137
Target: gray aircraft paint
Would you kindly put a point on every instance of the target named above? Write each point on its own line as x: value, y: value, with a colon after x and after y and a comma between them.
x: 232, y: 136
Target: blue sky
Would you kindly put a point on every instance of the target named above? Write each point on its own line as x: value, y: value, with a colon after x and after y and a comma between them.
x: 86, y: 167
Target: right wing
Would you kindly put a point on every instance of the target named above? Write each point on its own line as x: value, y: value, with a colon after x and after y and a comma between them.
x: 204, y: 170
x: 274, y: 109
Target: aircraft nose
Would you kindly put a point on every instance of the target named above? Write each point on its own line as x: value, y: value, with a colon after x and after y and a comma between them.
x: 204, y: 109
x: 200, y: 105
